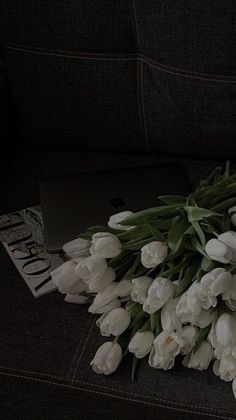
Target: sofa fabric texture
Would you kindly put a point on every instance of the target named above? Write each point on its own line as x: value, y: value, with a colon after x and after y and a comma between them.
x: 91, y: 85
x: 160, y: 74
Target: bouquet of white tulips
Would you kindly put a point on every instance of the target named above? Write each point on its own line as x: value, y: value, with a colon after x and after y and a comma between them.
x: 165, y: 277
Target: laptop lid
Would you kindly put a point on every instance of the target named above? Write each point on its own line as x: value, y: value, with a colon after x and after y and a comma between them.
x: 72, y: 203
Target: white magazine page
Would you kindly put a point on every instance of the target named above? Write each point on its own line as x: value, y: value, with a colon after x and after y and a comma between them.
x: 22, y: 235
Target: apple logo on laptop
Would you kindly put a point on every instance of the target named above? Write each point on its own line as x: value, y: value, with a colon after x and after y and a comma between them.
x: 117, y: 201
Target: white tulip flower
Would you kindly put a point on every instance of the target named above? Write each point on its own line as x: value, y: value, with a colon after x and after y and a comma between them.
x: 219, y: 251
x: 206, y: 317
x: 229, y: 296
x: 141, y: 343
x: 115, y: 303
x: 201, y: 358
x: 225, y: 328
x: 222, y: 336
x: 105, y: 300
x: 234, y: 381
x: 225, y: 367
x: 160, y: 291
x: 77, y: 248
x: 229, y: 239
x: 95, y: 273
x: 105, y: 245
x: 216, y: 282
x: 79, y: 299
x: 188, y: 335
x: 140, y: 288
x: 66, y: 280
x: 188, y: 307
x: 232, y: 213
x: 107, y: 358
x: 123, y: 288
x: 115, y: 219
x: 169, y: 319
x: 115, y: 322
x: 153, y: 254
x: 165, y: 348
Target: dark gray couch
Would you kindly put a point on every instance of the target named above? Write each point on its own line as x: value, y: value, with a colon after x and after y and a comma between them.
x: 89, y: 85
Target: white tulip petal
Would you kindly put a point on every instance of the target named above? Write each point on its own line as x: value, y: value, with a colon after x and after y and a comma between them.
x: 201, y: 358
x: 153, y: 254
x: 107, y: 358
x: 105, y: 245
x: 115, y: 322
x: 218, y: 251
x: 115, y: 219
x: 234, y: 382
x: 141, y: 343
x: 70, y: 298
x: 77, y: 248
x: 66, y: 280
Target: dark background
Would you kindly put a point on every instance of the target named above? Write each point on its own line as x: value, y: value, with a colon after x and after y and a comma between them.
x: 92, y: 85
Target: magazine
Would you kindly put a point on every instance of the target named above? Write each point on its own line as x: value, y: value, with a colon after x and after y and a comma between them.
x: 22, y: 235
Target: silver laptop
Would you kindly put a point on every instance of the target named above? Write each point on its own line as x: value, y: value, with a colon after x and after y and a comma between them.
x: 72, y: 203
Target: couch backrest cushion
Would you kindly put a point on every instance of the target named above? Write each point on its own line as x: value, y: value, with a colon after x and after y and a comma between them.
x: 129, y: 75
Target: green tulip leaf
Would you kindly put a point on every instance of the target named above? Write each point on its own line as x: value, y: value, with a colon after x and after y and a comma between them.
x: 134, y: 233
x: 172, y: 199
x: 198, y: 247
x: 176, y: 268
x: 140, y: 272
x: 225, y: 204
x: 136, y: 264
x: 120, y: 259
x: 207, y: 264
x: 100, y: 228
x: 86, y: 236
x: 146, y: 326
x: 158, y: 329
x: 134, y: 366
x: 137, y: 245
x: 197, y: 213
x: 188, y: 278
x: 178, y: 228
x: 200, y: 233
x: 155, y: 319
x: 199, y: 274
x: 156, y: 232
x: 144, y: 216
x: 203, y: 333
x: 213, y: 177
x: 138, y: 315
